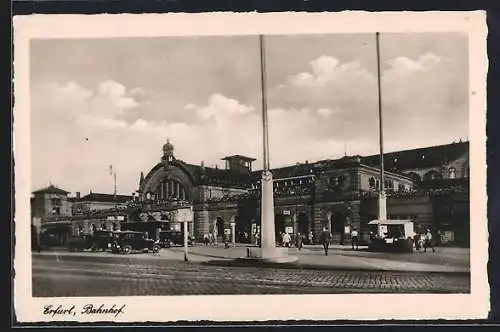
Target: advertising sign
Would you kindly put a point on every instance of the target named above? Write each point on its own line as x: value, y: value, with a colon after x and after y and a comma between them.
x: 227, y: 231
x: 184, y: 215
x: 286, y: 212
x: 289, y: 230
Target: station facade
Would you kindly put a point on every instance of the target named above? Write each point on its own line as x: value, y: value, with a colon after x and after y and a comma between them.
x: 428, y: 185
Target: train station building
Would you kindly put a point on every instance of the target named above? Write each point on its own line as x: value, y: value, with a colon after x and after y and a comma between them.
x: 428, y: 185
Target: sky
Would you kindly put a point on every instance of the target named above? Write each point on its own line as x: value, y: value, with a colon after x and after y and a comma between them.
x: 102, y: 102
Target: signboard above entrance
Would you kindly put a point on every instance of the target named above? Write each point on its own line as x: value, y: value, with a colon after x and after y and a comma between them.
x: 184, y: 215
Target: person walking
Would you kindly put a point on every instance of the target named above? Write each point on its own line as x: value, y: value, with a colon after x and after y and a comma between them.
x: 286, y: 240
x: 354, y: 239
x: 298, y: 241
x: 325, y: 240
x: 428, y: 241
x: 416, y: 240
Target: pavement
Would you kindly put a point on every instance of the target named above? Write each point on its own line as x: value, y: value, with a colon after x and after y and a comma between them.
x: 444, y: 260
x: 101, y: 274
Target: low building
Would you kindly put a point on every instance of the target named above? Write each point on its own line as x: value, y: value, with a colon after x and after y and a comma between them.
x: 93, y: 202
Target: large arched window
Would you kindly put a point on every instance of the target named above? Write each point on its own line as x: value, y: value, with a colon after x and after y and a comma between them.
x: 171, y: 190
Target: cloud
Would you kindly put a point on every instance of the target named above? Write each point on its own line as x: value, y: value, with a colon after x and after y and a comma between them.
x: 328, y: 70
x: 219, y: 107
x: 313, y: 114
x: 419, y: 94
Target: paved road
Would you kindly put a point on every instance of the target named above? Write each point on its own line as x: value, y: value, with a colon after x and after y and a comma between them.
x: 94, y: 275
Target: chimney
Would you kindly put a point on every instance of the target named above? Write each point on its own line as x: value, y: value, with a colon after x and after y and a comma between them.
x: 78, y: 195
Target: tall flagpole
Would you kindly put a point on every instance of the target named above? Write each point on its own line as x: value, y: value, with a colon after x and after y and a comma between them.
x: 268, y: 237
x: 265, y: 140
x: 382, y: 199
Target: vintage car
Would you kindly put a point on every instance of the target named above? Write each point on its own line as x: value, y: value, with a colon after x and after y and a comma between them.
x: 101, y: 240
x: 172, y: 238
x: 78, y: 243
x: 391, y: 235
x: 127, y: 242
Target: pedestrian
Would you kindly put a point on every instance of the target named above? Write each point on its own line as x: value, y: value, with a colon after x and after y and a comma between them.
x: 416, y: 239
x: 206, y: 240
x: 286, y: 240
x: 428, y: 241
x: 354, y: 238
x: 325, y: 239
x: 298, y: 241
x: 311, y: 238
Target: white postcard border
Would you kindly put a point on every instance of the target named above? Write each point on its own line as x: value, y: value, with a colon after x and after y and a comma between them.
x: 256, y: 307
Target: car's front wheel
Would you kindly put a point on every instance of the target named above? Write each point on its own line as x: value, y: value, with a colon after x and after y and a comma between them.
x: 156, y: 248
x: 127, y: 249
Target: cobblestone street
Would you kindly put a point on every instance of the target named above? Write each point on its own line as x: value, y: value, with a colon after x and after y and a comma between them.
x: 95, y: 275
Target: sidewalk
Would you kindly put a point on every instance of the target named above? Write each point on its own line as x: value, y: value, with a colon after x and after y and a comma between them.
x: 445, y: 260
x: 343, y: 257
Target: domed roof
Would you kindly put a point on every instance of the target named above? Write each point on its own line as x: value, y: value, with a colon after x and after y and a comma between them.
x: 168, y: 148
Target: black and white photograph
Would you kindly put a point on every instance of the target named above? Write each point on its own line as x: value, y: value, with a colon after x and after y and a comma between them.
x: 306, y: 166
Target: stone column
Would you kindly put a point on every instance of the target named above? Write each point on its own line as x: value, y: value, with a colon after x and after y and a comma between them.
x: 233, y: 235
x: 268, y: 237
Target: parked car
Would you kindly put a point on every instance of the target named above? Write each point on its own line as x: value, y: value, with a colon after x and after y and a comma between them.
x: 78, y: 243
x: 127, y: 242
x: 172, y: 238
x: 101, y: 240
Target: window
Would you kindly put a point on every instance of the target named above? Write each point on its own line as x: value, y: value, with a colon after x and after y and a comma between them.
x: 340, y: 180
x: 452, y: 172
x: 333, y: 181
x: 371, y: 182
x: 401, y: 187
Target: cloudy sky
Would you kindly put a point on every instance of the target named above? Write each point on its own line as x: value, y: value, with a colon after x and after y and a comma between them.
x: 101, y: 102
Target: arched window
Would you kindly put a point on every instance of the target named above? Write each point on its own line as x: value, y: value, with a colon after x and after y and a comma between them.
x: 171, y: 190
x: 415, y: 177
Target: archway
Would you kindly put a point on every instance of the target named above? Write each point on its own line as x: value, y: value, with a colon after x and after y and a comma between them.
x: 302, y: 224
x: 432, y: 175
x: 337, y: 227
x: 415, y: 177
x: 279, y: 225
x: 219, y: 226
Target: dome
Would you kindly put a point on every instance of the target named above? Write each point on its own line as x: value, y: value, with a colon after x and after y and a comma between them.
x: 168, y: 148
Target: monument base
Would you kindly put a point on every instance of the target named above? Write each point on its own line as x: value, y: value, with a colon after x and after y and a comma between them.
x: 269, y: 255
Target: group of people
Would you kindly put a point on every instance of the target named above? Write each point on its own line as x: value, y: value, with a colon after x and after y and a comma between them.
x: 424, y: 241
x: 326, y: 238
x: 297, y: 241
